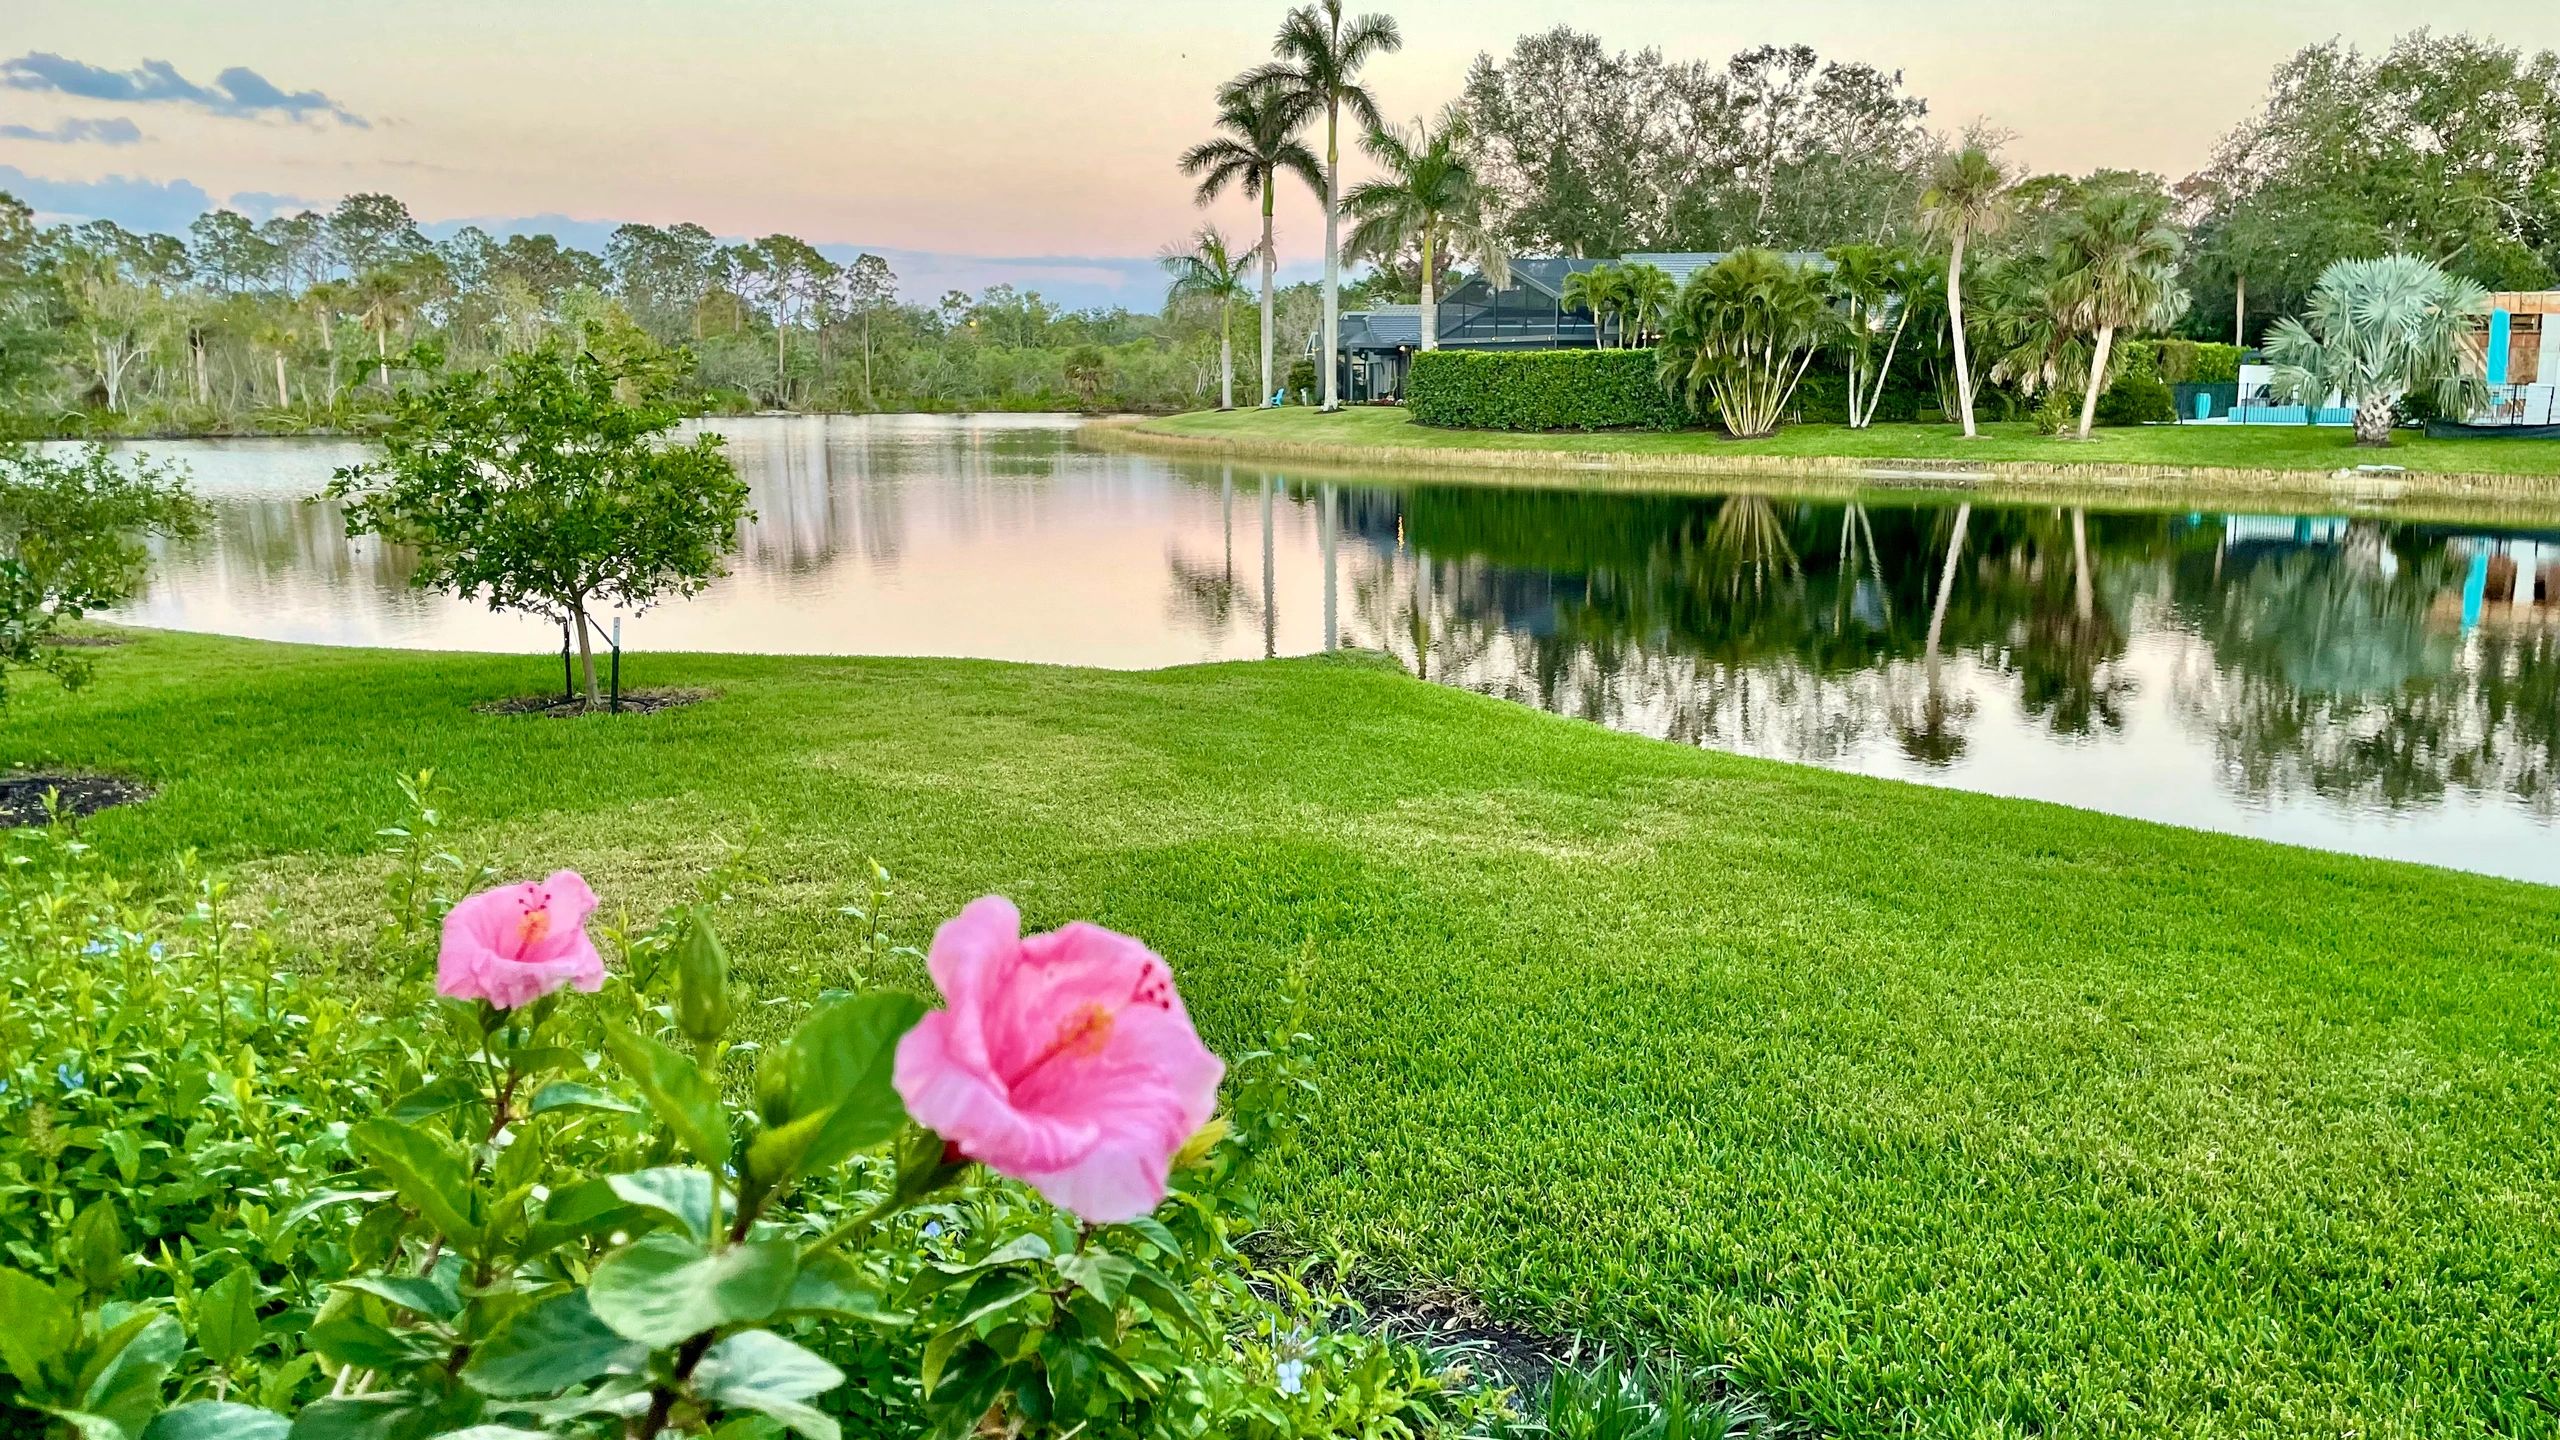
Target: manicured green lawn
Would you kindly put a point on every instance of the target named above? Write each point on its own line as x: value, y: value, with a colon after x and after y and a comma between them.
x: 2317, y: 451
x: 1930, y: 1113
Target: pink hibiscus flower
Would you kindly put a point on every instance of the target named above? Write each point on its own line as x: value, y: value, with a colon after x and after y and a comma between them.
x: 1064, y: 1060
x: 515, y: 944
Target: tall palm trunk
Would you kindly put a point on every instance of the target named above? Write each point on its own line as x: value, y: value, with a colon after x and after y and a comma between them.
x: 382, y: 352
x: 2373, y: 420
x: 1946, y: 584
x: 1955, y: 332
x: 2083, y: 594
x: 2240, y: 311
x: 2097, y: 379
x: 1226, y: 355
x: 284, y: 396
x: 1270, y: 262
x: 1332, y: 253
x: 1430, y: 295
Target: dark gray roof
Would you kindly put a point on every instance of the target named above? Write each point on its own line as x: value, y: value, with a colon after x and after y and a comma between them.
x: 1382, y: 326
x: 1681, y: 264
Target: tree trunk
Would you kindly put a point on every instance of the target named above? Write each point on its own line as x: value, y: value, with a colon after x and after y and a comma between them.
x: 1946, y: 583
x: 2083, y: 595
x: 284, y: 396
x: 1955, y: 333
x: 204, y: 382
x: 2240, y: 311
x: 1430, y: 297
x: 2097, y: 379
x: 382, y: 353
x: 1270, y: 263
x: 781, y: 340
x: 2373, y: 420
x: 1226, y: 355
x: 1270, y: 600
x: 1332, y: 254
x: 586, y: 649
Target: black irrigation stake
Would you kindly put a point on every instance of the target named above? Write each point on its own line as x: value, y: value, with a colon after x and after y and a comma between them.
x: 568, y: 678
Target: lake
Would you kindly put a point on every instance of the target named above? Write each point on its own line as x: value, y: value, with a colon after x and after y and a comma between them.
x: 2357, y: 683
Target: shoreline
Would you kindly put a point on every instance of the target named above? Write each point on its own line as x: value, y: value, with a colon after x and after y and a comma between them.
x: 2413, y: 494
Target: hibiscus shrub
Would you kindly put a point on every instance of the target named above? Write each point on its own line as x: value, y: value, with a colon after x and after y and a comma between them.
x: 557, y: 1196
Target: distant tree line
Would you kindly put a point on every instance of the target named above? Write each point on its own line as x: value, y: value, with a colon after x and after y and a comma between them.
x: 305, y: 321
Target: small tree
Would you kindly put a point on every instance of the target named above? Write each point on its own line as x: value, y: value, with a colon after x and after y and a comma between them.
x: 544, y: 486
x: 71, y: 529
x: 2379, y: 330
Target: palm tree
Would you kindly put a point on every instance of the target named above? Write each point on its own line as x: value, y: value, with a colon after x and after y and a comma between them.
x: 1600, y: 290
x: 1259, y: 144
x: 1741, y: 337
x: 1428, y: 198
x: 1645, y: 296
x: 1873, y: 287
x: 1210, y: 273
x: 1967, y: 197
x: 2379, y: 330
x: 2116, y: 268
x: 1320, y: 58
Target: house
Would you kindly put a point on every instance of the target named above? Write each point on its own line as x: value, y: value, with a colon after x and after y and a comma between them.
x: 2518, y: 348
x: 1527, y: 314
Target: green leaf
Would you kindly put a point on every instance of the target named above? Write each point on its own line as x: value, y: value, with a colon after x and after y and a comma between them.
x: 683, y: 1097
x: 702, y: 981
x: 833, y: 1285
x: 122, y: 1381
x: 359, y: 1417
x: 837, y: 1065
x: 570, y: 1095
x: 440, y: 1097
x: 681, y: 1193
x: 435, y: 1296
x: 96, y: 1249
x: 227, y: 1317
x: 1102, y: 1275
x: 663, y: 1289
x: 550, y: 1347
x: 760, y: 1371
x: 426, y: 1169
x: 217, y: 1420
x: 327, y: 1198
x: 42, y: 1326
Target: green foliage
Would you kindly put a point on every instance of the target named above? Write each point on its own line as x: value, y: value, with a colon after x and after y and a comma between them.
x: 2186, y: 362
x: 235, y: 1203
x: 70, y: 542
x: 540, y: 487
x: 1541, y: 390
x: 1741, y: 336
x: 2137, y: 398
x: 2377, y: 330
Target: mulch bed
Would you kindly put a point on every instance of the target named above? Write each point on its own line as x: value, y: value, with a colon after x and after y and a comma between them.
x: 22, y: 796
x: 634, y: 702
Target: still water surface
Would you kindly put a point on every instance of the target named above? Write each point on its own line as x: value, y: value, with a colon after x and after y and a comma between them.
x: 2353, y: 683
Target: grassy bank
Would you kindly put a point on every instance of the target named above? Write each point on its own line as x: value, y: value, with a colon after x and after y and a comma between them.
x: 2277, y: 456
x: 1931, y: 1113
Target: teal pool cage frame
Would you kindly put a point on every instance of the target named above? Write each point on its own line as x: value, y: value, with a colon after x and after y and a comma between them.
x: 569, y: 665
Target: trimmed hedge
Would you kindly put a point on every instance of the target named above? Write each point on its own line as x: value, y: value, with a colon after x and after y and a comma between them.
x: 1541, y: 390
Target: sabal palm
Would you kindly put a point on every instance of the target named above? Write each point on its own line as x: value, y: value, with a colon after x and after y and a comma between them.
x: 1320, y: 56
x: 1258, y: 143
x: 1967, y: 198
x: 2378, y: 330
x: 2116, y: 268
x: 1427, y: 198
x: 1212, y: 273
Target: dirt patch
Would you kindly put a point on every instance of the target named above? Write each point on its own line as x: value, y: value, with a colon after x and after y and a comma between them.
x: 634, y: 702
x: 22, y: 796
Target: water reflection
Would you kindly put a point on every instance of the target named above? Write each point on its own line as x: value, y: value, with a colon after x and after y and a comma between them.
x: 2355, y: 683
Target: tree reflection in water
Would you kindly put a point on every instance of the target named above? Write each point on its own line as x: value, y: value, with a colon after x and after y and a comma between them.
x: 2332, y: 660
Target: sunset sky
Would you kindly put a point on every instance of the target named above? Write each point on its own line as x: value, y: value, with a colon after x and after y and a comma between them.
x: 969, y: 138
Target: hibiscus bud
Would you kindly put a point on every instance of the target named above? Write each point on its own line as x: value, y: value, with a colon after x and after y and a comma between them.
x: 702, y: 982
